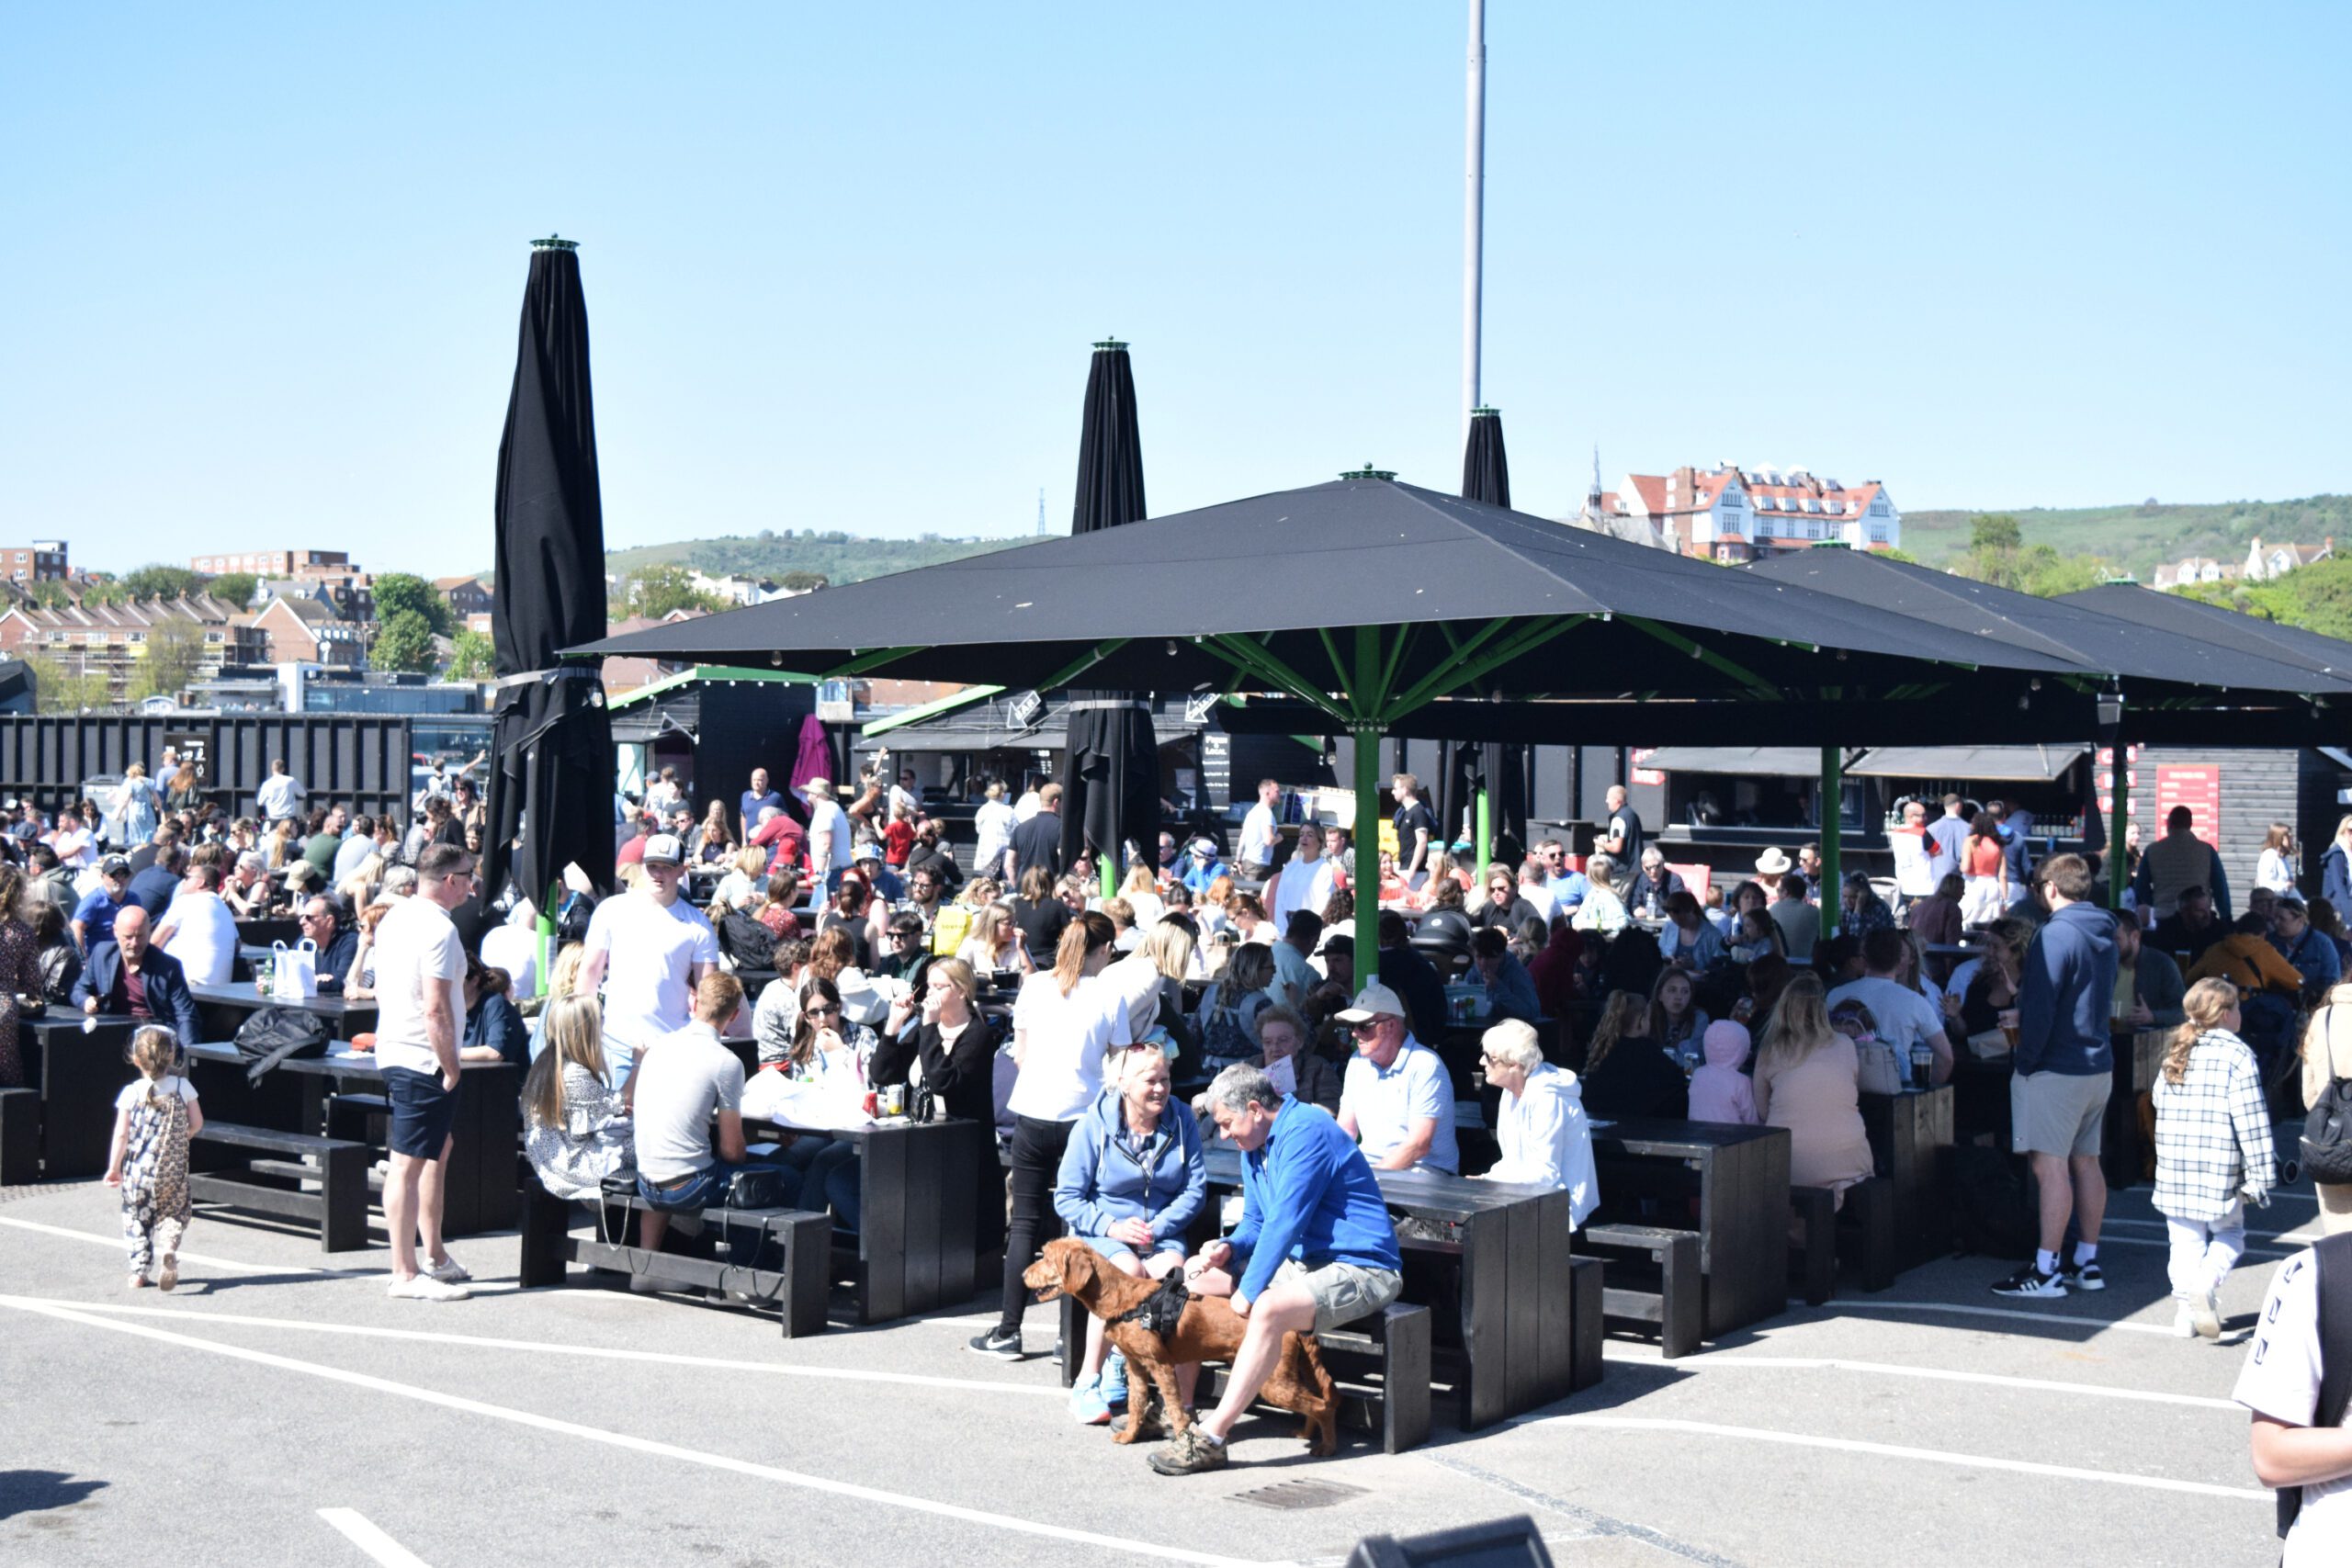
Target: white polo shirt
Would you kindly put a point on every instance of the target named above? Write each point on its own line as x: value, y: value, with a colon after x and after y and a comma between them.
x: 1385, y: 1104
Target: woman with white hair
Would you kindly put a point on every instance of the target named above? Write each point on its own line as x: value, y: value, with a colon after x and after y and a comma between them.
x: 1545, y: 1139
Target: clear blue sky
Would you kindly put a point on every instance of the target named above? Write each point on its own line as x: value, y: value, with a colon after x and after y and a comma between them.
x: 262, y: 265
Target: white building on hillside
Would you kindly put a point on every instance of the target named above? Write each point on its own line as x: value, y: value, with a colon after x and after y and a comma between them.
x: 2276, y: 560
x: 1730, y: 513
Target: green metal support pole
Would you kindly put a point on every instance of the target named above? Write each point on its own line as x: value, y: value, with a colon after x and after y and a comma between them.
x: 1485, y: 831
x: 2118, y: 781
x: 1366, y: 732
x: 1110, y: 870
x: 1833, y: 835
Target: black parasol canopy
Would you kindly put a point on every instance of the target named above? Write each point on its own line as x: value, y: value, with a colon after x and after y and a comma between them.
x: 1499, y: 770
x: 1111, y: 767
x: 551, y: 789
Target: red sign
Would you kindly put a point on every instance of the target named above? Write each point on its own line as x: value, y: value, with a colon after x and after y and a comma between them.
x: 2199, y: 789
x: 1645, y: 775
x: 2106, y: 756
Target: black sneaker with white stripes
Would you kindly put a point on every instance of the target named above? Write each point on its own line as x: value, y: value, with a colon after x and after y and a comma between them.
x: 2031, y: 1284
x: 2082, y: 1276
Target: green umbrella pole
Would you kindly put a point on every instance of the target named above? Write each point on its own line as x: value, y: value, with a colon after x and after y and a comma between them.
x: 1833, y: 834
x: 547, y: 936
x: 1109, y: 869
x: 1485, y: 832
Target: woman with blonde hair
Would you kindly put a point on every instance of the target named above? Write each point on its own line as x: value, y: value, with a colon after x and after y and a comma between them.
x: 1141, y: 891
x: 2335, y: 869
x: 1153, y: 974
x: 576, y: 1130
x: 1602, y: 910
x: 1808, y: 1079
x: 747, y: 874
x: 2327, y: 1056
x: 2214, y: 1150
x: 995, y: 944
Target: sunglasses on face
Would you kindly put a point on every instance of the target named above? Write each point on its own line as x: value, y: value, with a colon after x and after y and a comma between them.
x: 822, y: 1011
x: 1360, y: 1030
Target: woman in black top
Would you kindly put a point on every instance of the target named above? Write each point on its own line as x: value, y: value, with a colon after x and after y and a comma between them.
x: 1041, y: 915
x: 1625, y: 1073
x: 952, y: 1049
x: 1501, y: 905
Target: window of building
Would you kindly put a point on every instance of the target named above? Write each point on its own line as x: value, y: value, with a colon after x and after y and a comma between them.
x: 1878, y: 508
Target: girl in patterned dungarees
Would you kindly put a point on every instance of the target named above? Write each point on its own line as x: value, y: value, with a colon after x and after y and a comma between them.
x: 153, y: 1119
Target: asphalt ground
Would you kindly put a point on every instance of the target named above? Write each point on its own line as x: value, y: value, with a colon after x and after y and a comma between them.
x: 279, y: 1408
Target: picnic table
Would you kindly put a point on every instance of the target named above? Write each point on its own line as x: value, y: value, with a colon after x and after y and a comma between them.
x: 479, y: 1191
x: 1509, y: 1248
x: 1911, y: 1137
x: 77, y: 1072
x: 223, y: 1008
x: 1982, y: 1108
x: 1742, y: 1217
x: 918, y: 1245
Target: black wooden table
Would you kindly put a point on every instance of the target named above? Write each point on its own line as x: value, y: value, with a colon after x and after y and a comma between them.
x: 479, y: 1192
x: 1743, y: 1204
x: 1911, y: 1138
x: 1508, y: 1248
x: 223, y: 1008
x: 1984, y: 1106
x: 78, y: 1071
x: 918, y: 1241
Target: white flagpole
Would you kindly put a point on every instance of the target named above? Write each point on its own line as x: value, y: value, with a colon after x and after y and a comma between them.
x: 1473, y: 211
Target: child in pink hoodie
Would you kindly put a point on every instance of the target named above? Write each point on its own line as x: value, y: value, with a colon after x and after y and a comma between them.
x: 1720, y: 1091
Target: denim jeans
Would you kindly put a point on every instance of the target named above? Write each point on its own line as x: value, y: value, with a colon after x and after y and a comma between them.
x: 827, y: 1166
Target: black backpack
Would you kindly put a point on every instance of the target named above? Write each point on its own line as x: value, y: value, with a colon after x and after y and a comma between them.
x: 747, y: 943
x: 2327, y: 1132
x: 274, y: 1034
x: 2333, y: 1255
x: 1990, y: 1212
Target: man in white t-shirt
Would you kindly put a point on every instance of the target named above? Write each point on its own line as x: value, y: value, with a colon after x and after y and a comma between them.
x: 420, y: 1012
x: 828, y: 835
x: 279, y: 795
x: 1254, y: 857
x: 2281, y: 1384
x: 1304, y: 882
x: 1914, y: 877
x: 1396, y: 1099
x: 648, y: 950
x: 1902, y: 1016
x: 198, y: 929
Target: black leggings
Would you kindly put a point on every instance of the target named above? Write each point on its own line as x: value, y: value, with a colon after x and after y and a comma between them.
x: 1036, y: 1162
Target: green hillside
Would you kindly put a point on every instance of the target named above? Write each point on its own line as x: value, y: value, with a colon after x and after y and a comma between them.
x: 2137, y: 539
x: 836, y: 557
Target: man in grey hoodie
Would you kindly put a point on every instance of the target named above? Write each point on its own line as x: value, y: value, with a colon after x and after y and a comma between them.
x: 2065, y: 1070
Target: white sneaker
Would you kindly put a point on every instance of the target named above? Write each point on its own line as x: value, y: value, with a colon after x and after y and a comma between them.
x: 449, y: 1272
x: 2206, y: 1313
x: 425, y: 1288
x: 2184, y: 1325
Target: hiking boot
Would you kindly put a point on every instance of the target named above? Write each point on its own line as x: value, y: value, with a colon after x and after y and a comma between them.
x: 2082, y: 1276
x: 2031, y: 1284
x: 1003, y: 1344
x: 1191, y: 1453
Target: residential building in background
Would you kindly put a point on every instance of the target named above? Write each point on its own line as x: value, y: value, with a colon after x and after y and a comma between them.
x: 299, y: 627
x: 43, y: 560
x: 467, y: 595
x: 2192, y: 569
x: 113, y: 639
x: 2264, y: 563
x: 278, y: 563
x: 1730, y: 513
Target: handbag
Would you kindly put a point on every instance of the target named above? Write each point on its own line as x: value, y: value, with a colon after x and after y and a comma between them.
x: 754, y: 1187
x: 294, y: 971
x: 1880, y: 1073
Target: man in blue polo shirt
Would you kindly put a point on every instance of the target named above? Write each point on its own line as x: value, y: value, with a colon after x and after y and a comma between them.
x: 1316, y: 1247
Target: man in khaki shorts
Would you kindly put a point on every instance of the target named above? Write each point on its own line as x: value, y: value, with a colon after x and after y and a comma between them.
x: 1316, y: 1247
x: 2064, y: 1069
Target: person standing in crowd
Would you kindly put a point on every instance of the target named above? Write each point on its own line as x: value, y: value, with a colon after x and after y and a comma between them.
x: 1065, y: 1022
x: 2176, y: 863
x: 281, y: 795
x: 1947, y: 839
x: 1397, y: 1100
x: 1984, y: 862
x: 1621, y: 836
x: 197, y: 929
x: 421, y: 1008
x: 830, y: 849
x: 2327, y: 1056
x: 1415, y: 829
x: 2065, y: 1070
x: 1315, y: 1248
x: 756, y: 799
x: 1254, y: 857
x: 649, y: 950
x: 2274, y: 867
x: 2335, y: 869
x: 20, y: 970
x: 992, y: 824
x: 2298, y: 1446
x: 1914, y: 880
x: 1036, y: 844
x: 1306, y: 880
x: 153, y: 1120
x: 2214, y: 1151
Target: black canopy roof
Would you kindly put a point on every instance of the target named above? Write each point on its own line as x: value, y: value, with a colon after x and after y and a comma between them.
x: 1291, y: 567
x: 2176, y: 617
x: 2123, y: 640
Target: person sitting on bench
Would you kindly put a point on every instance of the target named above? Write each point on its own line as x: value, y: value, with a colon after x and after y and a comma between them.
x: 682, y: 1086
x: 1316, y: 1247
x: 131, y: 976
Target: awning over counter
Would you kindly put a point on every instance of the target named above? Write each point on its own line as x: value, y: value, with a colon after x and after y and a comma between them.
x: 2027, y: 764
x: 1763, y: 762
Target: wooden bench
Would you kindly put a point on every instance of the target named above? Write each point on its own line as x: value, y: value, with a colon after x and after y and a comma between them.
x: 798, y: 1290
x: 1862, y: 1232
x: 20, y: 1136
x: 1587, y: 1292
x: 275, y: 1183
x: 1394, y: 1346
x: 1667, y: 1291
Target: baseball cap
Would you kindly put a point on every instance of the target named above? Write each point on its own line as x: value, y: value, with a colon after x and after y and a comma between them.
x: 1372, y: 1002
x: 663, y: 848
x: 115, y: 865
x: 818, y: 788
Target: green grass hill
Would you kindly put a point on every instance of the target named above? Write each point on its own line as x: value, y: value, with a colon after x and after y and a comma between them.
x: 2138, y: 538
x: 836, y: 557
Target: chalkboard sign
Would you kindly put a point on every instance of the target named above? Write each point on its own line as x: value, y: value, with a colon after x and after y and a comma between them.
x: 194, y: 748
x: 1216, y: 768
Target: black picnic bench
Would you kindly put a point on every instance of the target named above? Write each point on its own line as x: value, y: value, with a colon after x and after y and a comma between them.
x: 322, y: 1181
x: 1723, y: 1185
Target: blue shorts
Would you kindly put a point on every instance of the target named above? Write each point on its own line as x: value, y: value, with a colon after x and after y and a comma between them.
x: 422, y: 1112
x: 1114, y: 1250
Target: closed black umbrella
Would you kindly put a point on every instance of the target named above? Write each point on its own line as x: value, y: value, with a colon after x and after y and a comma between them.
x: 551, y: 791
x: 1111, y: 765
x: 1498, y: 771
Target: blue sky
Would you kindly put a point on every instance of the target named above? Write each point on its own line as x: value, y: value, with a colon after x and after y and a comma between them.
x: 262, y: 265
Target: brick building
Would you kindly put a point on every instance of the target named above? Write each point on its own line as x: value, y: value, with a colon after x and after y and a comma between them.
x: 467, y: 595
x: 43, y: 560
x: 278, y: 563
x: 112, y: 639
x: 1729, y: 514
x: 299, y: 629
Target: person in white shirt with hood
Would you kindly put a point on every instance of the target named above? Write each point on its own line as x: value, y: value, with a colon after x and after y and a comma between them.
x: 1546, y: 1140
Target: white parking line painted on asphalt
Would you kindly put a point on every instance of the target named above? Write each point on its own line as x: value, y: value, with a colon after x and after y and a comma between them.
x: 362, y: 1533
x: 1010, y: 1523
x: 2021, y: 1313
x: 209, y: 1262
x: 1724, y: 1360
x: 1894, y: 1450
x: 484, y: 1342
x: 2112, y: 1239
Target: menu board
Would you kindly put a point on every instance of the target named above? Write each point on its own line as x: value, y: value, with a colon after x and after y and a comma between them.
x: 2199, y: 787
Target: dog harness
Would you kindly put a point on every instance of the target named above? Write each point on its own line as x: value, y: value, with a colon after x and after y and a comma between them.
x: 1160, y: 1310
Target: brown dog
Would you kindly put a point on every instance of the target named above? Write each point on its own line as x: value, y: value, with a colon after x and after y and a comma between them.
x: 1209, y: 1330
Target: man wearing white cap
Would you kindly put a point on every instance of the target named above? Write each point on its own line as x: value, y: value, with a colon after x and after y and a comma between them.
x: 829, y: 846
x: 1397, y: 1100
x: 649, y: 949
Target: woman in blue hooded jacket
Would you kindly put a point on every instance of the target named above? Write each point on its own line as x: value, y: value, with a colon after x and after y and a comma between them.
x: 1132, y: 1182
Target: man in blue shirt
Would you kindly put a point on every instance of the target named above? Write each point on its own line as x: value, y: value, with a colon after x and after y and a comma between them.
x: 1316, y: 1247
x: 1206, y: 867
x: 1568, y: 887
x: 2313, y: 957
